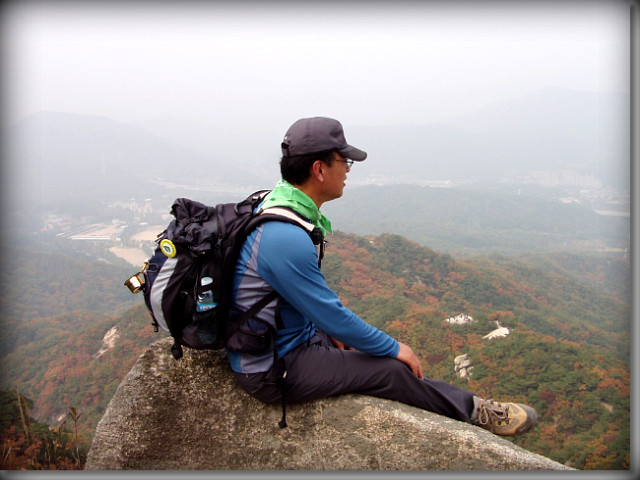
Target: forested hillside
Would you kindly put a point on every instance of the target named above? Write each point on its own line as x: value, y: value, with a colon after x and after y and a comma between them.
x: 57, y: 307
x: 43, y: 279
x: 566, y: 353
x: 608, y: 274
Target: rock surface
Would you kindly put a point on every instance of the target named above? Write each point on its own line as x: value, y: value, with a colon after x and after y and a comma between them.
x: 190, y: 415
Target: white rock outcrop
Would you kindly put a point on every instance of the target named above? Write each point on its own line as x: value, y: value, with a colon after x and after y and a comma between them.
x: 108, y: 341
x: 498, y: 332
x: 460, y: 319
x: 462, y: 366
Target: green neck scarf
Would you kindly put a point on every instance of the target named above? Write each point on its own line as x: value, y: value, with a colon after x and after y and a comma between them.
x: 286, y: 195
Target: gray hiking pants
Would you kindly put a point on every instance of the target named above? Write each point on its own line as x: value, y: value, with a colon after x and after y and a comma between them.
x: 317, y: 369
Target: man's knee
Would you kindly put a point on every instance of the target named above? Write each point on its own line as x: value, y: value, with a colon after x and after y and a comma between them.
x: 396, y: 372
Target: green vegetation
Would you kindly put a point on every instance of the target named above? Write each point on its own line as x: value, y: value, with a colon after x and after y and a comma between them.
x: 43, y: 279
x: 31, y: 445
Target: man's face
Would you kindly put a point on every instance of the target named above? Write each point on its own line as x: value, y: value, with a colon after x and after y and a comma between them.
x: 335, y: 176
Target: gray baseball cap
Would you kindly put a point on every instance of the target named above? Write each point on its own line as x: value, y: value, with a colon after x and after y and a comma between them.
x: 318, y: 134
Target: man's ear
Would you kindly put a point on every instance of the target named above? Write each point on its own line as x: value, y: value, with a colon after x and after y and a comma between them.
x: 317, y: 170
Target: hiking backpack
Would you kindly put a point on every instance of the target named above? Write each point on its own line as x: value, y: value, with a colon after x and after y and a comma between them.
x: 187, y: 282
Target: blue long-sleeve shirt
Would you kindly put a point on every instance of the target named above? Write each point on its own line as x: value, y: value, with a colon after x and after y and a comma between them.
x: 280, y: 256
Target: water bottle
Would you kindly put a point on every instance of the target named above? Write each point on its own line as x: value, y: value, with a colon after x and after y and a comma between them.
x: 205, y: 296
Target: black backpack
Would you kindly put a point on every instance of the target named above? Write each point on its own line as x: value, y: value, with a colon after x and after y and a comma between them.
x: 187, y: 282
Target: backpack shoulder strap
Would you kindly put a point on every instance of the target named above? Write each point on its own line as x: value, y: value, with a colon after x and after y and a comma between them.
x: 290, y: 214
x: 314, y: 232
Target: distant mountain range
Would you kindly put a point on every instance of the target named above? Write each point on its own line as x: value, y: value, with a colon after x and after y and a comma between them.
x: 66, y: 157
x: 60, y: 157
x: 554, y: 129
x: 551, y: 130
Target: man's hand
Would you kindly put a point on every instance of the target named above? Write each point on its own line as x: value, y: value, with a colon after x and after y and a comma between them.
x: 406, y: 355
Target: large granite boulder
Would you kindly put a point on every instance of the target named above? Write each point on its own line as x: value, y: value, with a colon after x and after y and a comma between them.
x: 190, y: 415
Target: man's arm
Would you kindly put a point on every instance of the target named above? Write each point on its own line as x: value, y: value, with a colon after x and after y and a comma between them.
x: 287, y: 260
x: 289, y: 263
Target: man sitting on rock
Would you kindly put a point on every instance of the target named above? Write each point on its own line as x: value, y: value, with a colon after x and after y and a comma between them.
x: 320, y: 348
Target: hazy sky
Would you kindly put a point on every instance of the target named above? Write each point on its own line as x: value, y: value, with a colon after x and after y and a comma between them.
x: 254, y: 65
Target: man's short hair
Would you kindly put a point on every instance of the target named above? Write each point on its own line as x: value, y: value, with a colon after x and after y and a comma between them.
x: 297, y: 169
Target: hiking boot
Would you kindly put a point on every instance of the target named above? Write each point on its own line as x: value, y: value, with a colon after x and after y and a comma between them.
x: 507, y: 419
